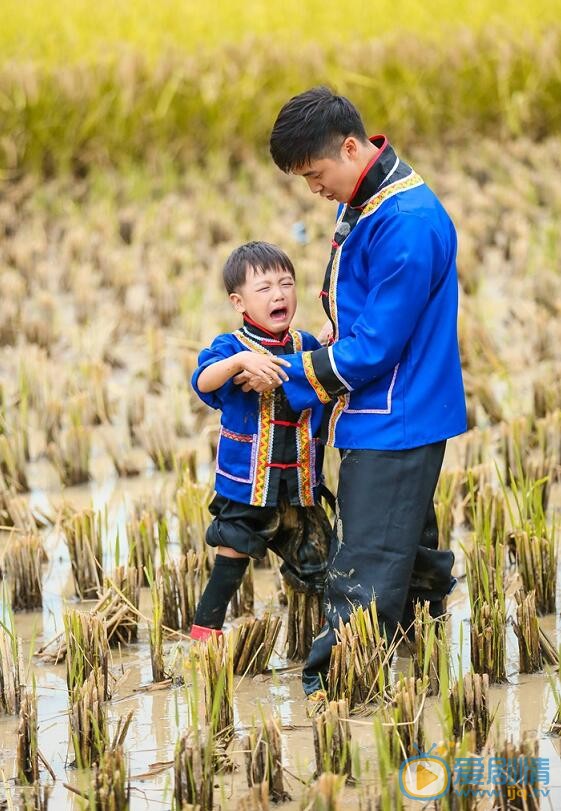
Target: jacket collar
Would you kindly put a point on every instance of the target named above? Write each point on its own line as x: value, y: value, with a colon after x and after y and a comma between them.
x: 254, y: 330
x: 375, y: 173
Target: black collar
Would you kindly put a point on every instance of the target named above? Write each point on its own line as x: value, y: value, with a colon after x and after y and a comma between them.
x: 254, y: 330
x: 375, y: 173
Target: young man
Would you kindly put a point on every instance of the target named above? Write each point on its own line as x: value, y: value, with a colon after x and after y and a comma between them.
x: 390, y: 377
x: 268, y: 465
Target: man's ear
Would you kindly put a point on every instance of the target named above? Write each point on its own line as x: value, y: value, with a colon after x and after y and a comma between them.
x: 237, y: 302
x: 350, y: 147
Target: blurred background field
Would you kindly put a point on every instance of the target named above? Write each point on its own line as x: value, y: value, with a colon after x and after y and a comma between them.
x: 108, y: 83
x: 68, y: 31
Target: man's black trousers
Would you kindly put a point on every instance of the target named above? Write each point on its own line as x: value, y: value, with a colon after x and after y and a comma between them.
x: 384, y: 545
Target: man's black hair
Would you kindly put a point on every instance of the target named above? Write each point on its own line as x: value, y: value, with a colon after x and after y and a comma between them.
x: 313, y: 125
x: 262, y: 256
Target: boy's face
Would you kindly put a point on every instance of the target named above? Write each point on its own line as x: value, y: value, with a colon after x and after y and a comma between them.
x: 268, y: 298
x: 334, y: 177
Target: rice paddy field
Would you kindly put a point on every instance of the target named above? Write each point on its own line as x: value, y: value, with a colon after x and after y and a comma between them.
x: 133, y: 159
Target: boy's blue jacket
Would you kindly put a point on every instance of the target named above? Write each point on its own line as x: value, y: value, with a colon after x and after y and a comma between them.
x: 261, y: 438
x: 392, y: 376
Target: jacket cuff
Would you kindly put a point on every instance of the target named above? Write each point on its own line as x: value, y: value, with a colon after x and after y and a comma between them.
x: 322, y: 373
x: 312, y: 377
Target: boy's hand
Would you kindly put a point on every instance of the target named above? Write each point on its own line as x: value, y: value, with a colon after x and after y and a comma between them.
x: 260, y: 372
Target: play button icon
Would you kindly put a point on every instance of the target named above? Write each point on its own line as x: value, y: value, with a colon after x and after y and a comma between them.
x: 425, y: 777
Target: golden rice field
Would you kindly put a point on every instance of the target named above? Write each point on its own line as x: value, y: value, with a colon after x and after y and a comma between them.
x: 77, y: 31
x: 109, y: 285
x: 88, y: 84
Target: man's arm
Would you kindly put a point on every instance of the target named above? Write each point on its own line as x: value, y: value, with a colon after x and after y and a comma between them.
x: 406, y: 253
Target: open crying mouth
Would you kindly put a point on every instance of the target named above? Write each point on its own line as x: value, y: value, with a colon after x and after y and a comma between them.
x: 279, y: 313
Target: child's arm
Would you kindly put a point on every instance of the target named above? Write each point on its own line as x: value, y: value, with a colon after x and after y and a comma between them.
x: 264, y: 368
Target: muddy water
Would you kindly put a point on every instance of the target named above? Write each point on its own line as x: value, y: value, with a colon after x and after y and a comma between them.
x: 525, y: 704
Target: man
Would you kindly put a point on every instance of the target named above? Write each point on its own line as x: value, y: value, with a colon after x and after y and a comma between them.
x: 390, y: 376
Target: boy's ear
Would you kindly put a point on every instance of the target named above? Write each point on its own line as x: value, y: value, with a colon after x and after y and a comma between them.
x: 237, y: 302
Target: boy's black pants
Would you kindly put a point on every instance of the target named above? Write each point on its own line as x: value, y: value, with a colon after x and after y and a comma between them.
x: 384, y: 544
x: 299, y: 535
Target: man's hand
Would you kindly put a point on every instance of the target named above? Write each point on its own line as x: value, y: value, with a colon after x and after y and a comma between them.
x: 250, y: 382
x: 260, y: 372
x: 325, y: 336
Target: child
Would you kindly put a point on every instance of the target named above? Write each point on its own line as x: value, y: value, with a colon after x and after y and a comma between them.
x: 268, y: 460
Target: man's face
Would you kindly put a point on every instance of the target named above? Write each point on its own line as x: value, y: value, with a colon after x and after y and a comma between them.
x: 268, y: 298
x: 334, y: 177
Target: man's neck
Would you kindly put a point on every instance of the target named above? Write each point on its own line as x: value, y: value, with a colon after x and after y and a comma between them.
x: 369, y: 156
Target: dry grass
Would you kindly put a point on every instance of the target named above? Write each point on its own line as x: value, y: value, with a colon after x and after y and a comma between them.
x: 304, y: 621
x: 254, y: 644
x: 217, y: 667
x: 22, y: 563
x: 360, y: 661
x: 470, y: 707
x: 12, y: 679
x: 193, y: 773
x: 110, y: 785
x: 263, y: 762
x: 324, y: 794
x: 332, y: 739
x: 87, y: 650
x: 27, y: 749
x: 84, y: 532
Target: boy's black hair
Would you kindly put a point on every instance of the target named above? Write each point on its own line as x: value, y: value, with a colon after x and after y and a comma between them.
x: 313, y: 125
x: 262, y: 256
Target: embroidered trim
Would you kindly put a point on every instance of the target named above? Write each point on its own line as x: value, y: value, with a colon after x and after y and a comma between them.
x: 237, y: 437
x: 386, y: 410
x: 333, y: 276
x: 264, y: 339
x: 304, y: 452
x: 321, y: 393
x: 336, y: 370
x: 410, y: 182
x: 313, y: 458
x: 265, y: 432
x: 296, y: 339
x: 250, y: 343
x: 334, y: 418
x: 251, y: 461
x: 270, y: 336
x: 263, y: 446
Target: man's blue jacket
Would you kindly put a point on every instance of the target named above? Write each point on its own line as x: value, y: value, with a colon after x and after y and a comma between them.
x: 392, y: 376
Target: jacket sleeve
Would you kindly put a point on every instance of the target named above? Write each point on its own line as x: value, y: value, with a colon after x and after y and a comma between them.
x: 222, y: 347
x: 404, y: 254
x: 309, y: 342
